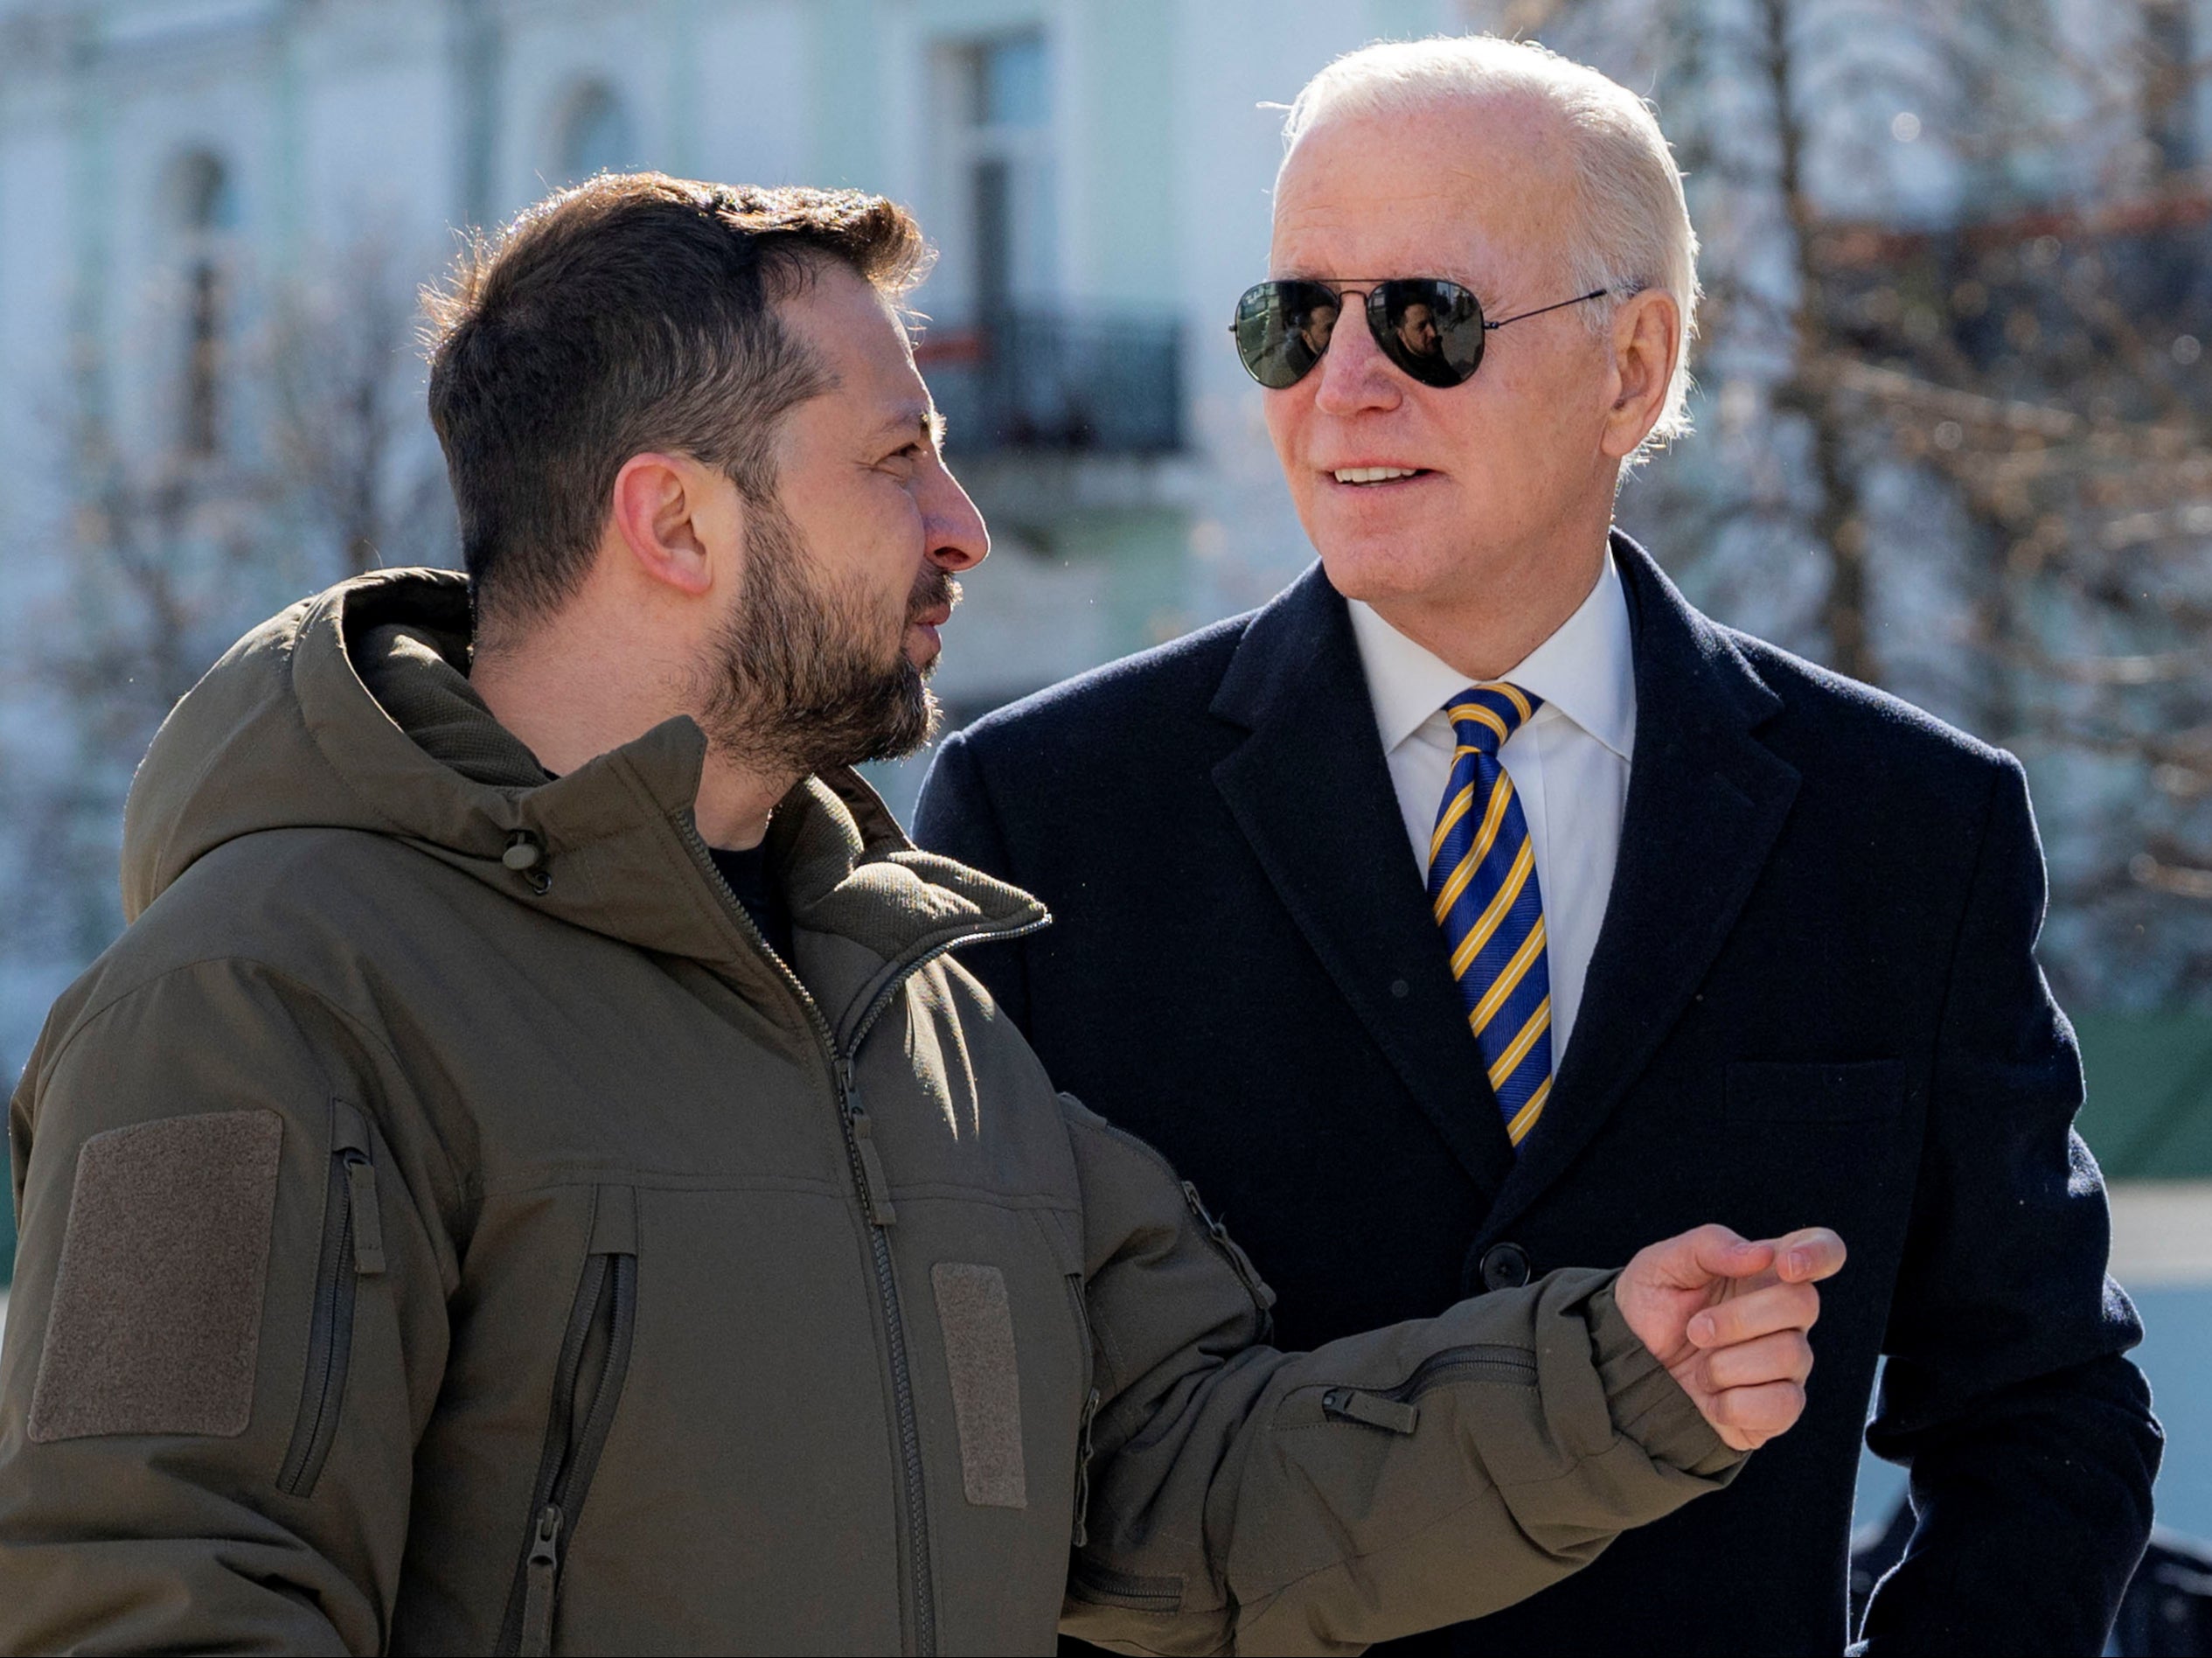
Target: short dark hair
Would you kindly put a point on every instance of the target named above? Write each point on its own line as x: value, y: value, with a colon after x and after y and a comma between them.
x: 634, y: 312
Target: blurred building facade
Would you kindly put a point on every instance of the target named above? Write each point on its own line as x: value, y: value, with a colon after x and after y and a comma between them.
x: 190, y: 191
x: 164, y: 165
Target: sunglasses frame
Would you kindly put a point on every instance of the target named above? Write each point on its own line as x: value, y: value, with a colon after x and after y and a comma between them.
x: 1377, y: 305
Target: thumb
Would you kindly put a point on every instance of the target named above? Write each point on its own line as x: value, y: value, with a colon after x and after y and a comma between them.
x: 1696, y: 1258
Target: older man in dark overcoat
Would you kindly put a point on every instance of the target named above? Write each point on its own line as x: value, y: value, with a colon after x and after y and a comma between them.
x: 1478, y: 905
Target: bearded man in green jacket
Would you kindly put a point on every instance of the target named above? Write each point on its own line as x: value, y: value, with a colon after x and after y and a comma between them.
x: 532, y: 1176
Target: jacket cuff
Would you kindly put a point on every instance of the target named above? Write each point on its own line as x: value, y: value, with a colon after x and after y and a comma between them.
x: 1648, y: 1405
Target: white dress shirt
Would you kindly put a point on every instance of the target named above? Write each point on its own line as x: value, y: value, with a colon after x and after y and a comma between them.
x: 1570, y: 764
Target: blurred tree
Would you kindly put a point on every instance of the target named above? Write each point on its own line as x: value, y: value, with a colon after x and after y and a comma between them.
x: 1958, y: 264
x: 360, y: 473
x: 326, y: 469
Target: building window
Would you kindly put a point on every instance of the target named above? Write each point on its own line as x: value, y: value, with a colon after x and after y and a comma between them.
x: 997, y: 105
x: 204, y: 211
x: 595, y: 135
x: 1013, y: 365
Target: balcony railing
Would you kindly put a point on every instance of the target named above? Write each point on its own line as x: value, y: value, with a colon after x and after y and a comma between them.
x: 1043, y: 382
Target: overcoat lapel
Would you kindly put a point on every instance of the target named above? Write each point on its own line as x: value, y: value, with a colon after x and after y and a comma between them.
x: 1706, y: 800
x: 1310, y: 790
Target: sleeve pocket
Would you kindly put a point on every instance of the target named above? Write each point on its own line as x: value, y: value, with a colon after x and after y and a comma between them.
x: 1866, y: 1091
x: 156, y: 1317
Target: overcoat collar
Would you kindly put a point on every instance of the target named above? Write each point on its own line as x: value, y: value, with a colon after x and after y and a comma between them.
x: 1310, y: 792
x: 1706, y: 800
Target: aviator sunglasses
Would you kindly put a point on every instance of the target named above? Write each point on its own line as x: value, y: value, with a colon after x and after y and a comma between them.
x: 1432, y: 329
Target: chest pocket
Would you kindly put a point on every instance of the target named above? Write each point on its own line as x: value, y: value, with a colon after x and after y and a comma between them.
x: 1800, y: 1094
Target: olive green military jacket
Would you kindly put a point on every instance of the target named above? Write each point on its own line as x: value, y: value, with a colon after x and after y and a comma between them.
x: 447, y: 1227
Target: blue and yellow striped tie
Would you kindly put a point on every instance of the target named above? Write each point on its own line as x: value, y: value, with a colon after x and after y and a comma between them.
x: 1482, y: 885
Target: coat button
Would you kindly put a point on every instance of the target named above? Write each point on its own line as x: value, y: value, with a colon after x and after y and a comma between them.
x: 1505, y: 1266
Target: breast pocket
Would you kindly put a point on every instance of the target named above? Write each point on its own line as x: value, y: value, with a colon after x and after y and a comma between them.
x: 1792, y: 1093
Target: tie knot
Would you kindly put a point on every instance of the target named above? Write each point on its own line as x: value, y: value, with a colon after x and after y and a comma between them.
x: 1484, y: 715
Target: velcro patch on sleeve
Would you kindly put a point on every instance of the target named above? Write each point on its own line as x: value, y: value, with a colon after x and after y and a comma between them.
x: 978, y: 1325
x: 157, y: 1318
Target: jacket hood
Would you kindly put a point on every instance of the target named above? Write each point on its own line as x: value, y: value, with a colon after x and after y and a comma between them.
x: 352, y: 710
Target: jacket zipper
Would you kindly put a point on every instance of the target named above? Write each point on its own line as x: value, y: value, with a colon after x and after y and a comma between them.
x: 352, y: 1249
x: 874, y: 1189
x: 1240, y: 1263
x: 1230, y: 1250
x: 601, y: 1324
x: 1080, y: 1535
x: 1394, y: 1410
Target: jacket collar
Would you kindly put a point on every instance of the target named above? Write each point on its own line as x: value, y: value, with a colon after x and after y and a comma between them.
x: 1310, y: 790
x: 620, y: 853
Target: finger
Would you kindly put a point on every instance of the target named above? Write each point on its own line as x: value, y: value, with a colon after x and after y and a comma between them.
x: 1810, y: 1254
x: 1784, y: 1357
x: 1758, y: 1413
x: 1709, y: 1252
x: 1776, y: 1307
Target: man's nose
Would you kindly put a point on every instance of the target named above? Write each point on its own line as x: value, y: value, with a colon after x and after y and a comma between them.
x: 959, y: 539
x: 1355, y: 374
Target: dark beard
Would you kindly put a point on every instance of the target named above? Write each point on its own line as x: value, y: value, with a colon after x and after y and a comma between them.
x: 796, y: 677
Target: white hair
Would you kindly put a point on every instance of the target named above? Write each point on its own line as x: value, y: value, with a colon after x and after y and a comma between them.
x: 1630, y: 230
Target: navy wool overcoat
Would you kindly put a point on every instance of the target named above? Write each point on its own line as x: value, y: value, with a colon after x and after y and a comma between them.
x: 1814, y: 1000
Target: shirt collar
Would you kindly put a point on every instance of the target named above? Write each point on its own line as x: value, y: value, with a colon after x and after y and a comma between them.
x: 1586, y: 670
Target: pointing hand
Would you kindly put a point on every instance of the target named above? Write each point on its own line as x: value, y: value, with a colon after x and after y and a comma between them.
x: 1728, y: 1319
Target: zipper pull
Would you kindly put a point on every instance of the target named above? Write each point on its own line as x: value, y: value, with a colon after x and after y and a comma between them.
x: 542, y: 1578
x: 1392, y: 1416
x: 1248, y: 1275
x: 1082, y: 1471
x: 876, y: 1191
x: 368, y: 1220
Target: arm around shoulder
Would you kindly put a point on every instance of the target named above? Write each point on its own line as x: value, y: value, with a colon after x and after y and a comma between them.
x: 226, y: 1330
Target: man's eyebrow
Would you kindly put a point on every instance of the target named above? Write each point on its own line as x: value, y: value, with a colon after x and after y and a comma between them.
x: 1444, y: 269
x: 921, y: 418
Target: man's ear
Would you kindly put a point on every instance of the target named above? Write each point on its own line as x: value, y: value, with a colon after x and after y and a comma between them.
x: 1646, y: 343
x: 679, y: 522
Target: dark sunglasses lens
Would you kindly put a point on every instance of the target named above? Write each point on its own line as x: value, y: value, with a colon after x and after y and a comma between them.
x: 1282, y: 328
x: 1432, y: 330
